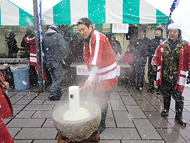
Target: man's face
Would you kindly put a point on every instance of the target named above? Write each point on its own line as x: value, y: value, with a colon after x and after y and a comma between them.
x: 173, y: 34
x: 141, y: 34
x: 158, y: 33
x: 84, y: 30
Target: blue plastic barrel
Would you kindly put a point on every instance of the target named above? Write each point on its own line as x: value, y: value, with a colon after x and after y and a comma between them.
x: 21, y: 76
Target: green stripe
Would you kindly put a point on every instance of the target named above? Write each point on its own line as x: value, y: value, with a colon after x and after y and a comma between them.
x: 25, y: 19
x: 96, y: 11
x: 161, y: 17
x: 99, y: 27
x: 131, y: 11
x: 61, y: 13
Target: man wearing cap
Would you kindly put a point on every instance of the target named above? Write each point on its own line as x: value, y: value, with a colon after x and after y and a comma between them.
x: 172, y: 59
x: 100, y: 60
x: 154, y: 43
x: 55, y: 51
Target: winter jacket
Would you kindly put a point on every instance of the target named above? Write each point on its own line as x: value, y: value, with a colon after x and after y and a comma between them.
x: 154, y: 43
x: 141, y: 48
x: 184, y: 64
x: 33, y: 55
x: 98, y: 52
x: 128, y: 57
x: 12, y: 45
x: 5, y: 112
x: 54, y: 46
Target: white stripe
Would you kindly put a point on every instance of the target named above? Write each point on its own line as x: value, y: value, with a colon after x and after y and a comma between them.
x: 9, y: 13
x: 147, y: 13
x: 159, y: 67
x: 28, y: 38
x: 183, y: 72
x: 79, y: 8
x: 97, y: 35
x: 32, y: 54
x: 47, y: 17
x: 182, y: 81
x: 110, y: 75
x: 32, y: 59
x: 114, y: 11
x: 158, y: 75
x: 107, y: 68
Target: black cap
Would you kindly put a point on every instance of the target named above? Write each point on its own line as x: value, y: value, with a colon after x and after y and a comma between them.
x: 159, y: 28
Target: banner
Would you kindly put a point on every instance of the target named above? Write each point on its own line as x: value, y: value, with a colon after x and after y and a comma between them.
x: 120, y: 28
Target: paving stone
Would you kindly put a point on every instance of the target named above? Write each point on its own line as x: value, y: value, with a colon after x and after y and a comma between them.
x: 43, y: 114
x: 136, y: 112
x: 171, y: 136
x: 128, y: 100
x: 23, y: 141
x: 109, y: 141
x: 157, y: 120
x: 119, y: 133
x: 123, y: 119
x: 25, y: 102
x: 117, y: 105
x: 110, y: 123
x: 13, y: 131
x: 142, y: 141
x: 146, y: 129
x: 37, y: 133
x: 146, y: 106
x: 45, y: 141
x: 39, y: 107
x: 26, y: 123
x: 25, y: 114
x: 36, y: 101
x: 48, y: 123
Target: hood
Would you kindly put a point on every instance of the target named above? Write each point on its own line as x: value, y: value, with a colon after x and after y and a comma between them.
x: 50, y: 32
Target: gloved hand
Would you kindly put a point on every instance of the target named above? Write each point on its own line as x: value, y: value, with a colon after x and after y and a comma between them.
x: 188, y: 78
x: 154, y: 68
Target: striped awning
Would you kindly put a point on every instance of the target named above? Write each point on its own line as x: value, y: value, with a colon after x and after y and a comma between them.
x: 11, y: 14
x: 104, y: 11
x: 68, y: 12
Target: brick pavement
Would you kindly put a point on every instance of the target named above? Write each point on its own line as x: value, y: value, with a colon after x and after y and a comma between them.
x: 133, y: 117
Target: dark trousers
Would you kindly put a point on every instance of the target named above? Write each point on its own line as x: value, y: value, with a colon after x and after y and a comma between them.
x: 168, y: 90
x: 140, y: 69
x: 151, y: 73
x: 56, y: 72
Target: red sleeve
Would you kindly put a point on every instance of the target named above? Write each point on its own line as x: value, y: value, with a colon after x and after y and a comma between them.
x: 1, y: 75
x: 30, y: 40
x: 86, y: 55
x: 157, y: 54
x: 188, y: 57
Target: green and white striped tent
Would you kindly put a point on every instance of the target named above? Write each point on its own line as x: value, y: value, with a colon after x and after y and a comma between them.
x: 11, y: 14
x: 67, y: 12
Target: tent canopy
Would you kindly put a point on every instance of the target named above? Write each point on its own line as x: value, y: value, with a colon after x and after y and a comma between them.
x: 100, y: 11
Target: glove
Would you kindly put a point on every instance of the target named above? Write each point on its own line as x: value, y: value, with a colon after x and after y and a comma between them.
x: 154, y: 68
x: 188, y: 78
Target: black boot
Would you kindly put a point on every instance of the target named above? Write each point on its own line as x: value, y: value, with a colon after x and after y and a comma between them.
x: 165, y: 112
x: 158, y: 90
x: 102, y: 125
x: 151, y: 87
x: 179, y: 111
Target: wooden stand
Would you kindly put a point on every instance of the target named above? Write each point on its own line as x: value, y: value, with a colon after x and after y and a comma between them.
x: 94, y: 138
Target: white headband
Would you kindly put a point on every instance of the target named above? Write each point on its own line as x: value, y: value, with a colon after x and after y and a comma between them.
x: 173, y: 26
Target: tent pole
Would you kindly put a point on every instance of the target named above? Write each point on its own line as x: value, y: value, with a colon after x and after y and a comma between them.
x: 37, y: 40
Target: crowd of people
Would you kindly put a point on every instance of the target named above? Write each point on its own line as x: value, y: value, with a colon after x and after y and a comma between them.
x: 168, y: 62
